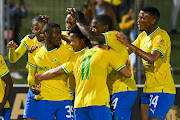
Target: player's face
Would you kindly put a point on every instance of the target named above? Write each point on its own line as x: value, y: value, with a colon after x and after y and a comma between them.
x: 55, y: 37
x: 70, y: 23
x: 37, y: 29
x: 76, y: 43
x: 97, y: 27
x: 144, y: 21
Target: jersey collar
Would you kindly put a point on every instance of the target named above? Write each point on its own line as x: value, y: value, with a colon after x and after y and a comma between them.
x: 153, y: 31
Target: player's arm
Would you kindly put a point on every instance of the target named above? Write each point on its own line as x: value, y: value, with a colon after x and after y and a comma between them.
x: 49, y: 74
x: 66, y: 38
x: 15, y: 55
x: 125, y: 71
x: 85, y: 29
x: 151, y: 58
x: 31, y: 81
x: 9, y: 84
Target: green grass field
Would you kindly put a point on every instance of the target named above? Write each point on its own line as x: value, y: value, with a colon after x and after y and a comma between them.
x: 55, y: 9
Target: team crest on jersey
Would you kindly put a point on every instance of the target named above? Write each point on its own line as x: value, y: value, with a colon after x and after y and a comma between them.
x: 161, y: 42
x: 55, y: 61
x: 1, y: 63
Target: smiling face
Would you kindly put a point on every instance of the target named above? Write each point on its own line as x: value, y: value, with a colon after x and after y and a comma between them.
x: 76, y: 43
x: 54, y: 37
x: 70, y: 23
x: 37, y: 29
x: 145, y: 21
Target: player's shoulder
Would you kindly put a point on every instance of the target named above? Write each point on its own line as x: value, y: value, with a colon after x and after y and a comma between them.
x: 64, y: 33
x: 111, y: 32
x: 66, y: 45
x: 31, y: 36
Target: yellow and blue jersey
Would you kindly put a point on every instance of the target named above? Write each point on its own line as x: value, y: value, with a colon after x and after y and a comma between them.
x: 90, y: 68
x: 3, y: 72
x: 42, y: 60
x: 116, y: 82
x: 27, y: 42
x: 158, y: 74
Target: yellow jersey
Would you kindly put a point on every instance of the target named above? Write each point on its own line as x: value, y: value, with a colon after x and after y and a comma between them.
x: 27, y: 42
x: 116, y: 82
x: 3, y: 72
x: 42, y: 60
x: 158, y: 74
x: 90, y: 68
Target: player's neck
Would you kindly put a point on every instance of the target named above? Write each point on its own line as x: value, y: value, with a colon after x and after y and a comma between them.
x: 151, y: 30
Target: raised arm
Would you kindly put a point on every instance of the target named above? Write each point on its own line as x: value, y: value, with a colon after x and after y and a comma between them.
x: 9, y: 84
x: 85, y: 29
x: 49, y: 74
x: 15, y: 55
x: 150, y: 57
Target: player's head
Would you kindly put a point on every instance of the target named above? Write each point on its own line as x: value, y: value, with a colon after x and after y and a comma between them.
x: 37, y: 26
x: 101, y: 23
x: 148, y: 18
x: 52, y: 34
x: 78, y: 40
x: 71, y: 22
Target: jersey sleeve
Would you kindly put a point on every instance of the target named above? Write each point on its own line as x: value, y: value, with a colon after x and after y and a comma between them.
x: 116, y: 60
x: 160, y: 45
x: 110, y: 38
x: 3, y: 67
x: 68, y: 66
x: 137, y: 41
x: 32, y: 69
x: 31, y: 75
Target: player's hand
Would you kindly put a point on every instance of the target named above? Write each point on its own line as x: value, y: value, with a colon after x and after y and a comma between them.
x: 35, y: 90
x: 11, y: 45
x: 37, y: 78
x: 122, y: 38
x: 73, y: 13
x: 32, y: 49
x: 45, y: 18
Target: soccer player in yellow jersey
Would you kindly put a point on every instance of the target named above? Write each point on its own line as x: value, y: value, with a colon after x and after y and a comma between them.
x: 6, y: 85
x: 54, y: 98
x: 28, y: 41
x: 123, y: 90
x: 90, y: 68
x: 153, y: 45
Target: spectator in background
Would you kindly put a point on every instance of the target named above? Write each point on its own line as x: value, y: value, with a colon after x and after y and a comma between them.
x: 98, y: 7
x: 118, y: 8
x: 174, y: 15
x: 16, y: 14
x: 127, y: 23
x: 127, y: 27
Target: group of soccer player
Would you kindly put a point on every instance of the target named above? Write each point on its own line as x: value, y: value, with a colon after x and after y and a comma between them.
x: 102, y: 86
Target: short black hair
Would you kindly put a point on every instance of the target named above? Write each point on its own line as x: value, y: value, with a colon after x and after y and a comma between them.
x: 104, y: 20
x: 75, y: 30
x: 35, y: 19
x: 49, y: 26
x: 152, y: 11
